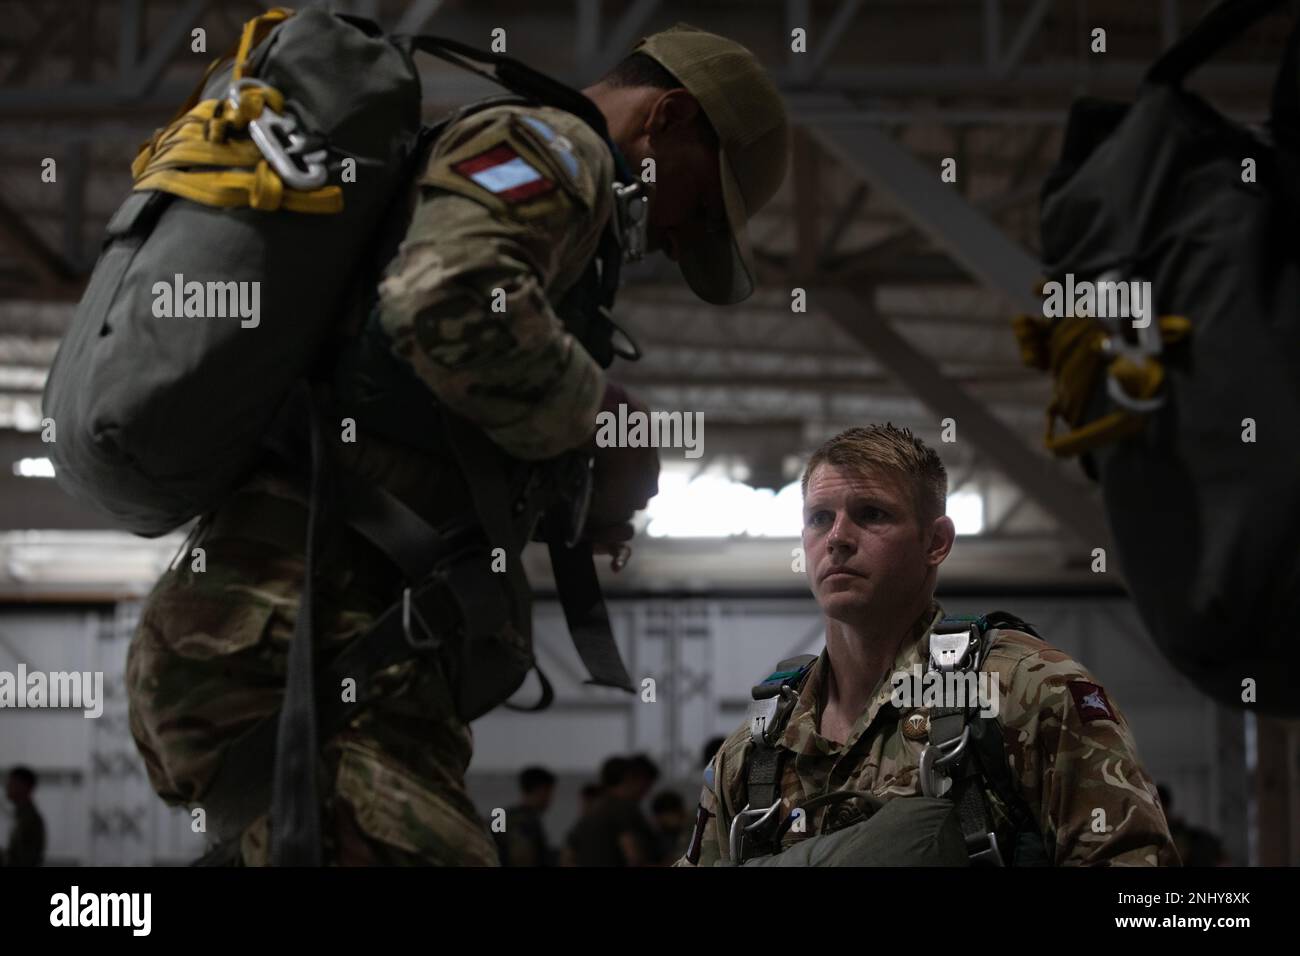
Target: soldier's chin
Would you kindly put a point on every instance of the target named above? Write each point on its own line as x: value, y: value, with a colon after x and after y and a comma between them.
x: 847, y: 605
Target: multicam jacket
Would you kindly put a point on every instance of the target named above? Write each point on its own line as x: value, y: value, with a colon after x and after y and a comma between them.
x: 1070, y: 752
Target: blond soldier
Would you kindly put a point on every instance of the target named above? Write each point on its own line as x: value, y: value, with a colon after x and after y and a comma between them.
x: 511, y: 205
x: 1074, y: 791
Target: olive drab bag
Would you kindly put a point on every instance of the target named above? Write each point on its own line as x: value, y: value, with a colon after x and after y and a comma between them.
x: 1189, y: 424
x: 162, y: 390
x: 905, y: 831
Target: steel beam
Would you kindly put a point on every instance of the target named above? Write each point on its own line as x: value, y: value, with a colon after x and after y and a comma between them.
x: 587, y: 34
x: 172, y: 38
x: 128, y: 38
x: 417, y: 15
x: 912, y: 81
x: 992, y: 32
x: 844, y: 217
x: 28, y: 246
x: 618, y: 43
x: 1072, y: 508
x: 827, y: 43
x: 1028, y: 29
x: 938, y: 210
x: 807, y: 200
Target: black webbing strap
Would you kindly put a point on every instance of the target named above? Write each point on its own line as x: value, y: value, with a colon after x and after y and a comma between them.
x: 586, y: 614
x: 1214, y: 31
x: 984, y: 764
x: 481, y: 465
x: 764, y: 776
x: 575, y: 572
x: 519, y: 78
x: 765, y: 760
x: 295, y: 807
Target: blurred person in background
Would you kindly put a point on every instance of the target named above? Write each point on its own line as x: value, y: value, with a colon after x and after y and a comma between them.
x: 616, y: 832
x: 1196, y: 846
x: 27, y: 838
x: 668, y: 819
x: 524, y: 841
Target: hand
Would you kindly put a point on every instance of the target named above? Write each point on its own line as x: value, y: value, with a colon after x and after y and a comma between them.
x: 624, y: 479
x: 612, y: 540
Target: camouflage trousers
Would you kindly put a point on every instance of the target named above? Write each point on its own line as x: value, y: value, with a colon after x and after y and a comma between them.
x: 208, y: 662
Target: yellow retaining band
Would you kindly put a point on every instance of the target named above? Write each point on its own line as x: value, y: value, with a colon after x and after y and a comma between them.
x: 1071, y: 350
x: 194, y: 156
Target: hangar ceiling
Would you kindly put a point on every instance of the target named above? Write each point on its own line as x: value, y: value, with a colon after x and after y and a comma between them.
x: 909, y: 281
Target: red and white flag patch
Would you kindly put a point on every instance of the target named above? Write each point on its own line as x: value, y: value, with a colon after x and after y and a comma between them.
x: 1090, y: 701
x: 503, y: 172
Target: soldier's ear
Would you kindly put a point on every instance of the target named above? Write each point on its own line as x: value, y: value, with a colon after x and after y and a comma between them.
x: 673, y: 111
x: 939, y: 539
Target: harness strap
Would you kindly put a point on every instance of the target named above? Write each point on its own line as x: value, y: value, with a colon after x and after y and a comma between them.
x: 774, y: 701
x: 295, y: 807
x: 981, y: 761
x: 586, y: 614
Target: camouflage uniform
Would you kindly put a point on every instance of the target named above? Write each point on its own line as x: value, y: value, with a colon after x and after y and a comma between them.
x: 1070, y: 753
x: 208, y: 660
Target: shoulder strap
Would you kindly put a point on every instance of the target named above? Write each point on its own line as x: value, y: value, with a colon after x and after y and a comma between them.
x: 1220, y: 26
x: 774, y: 700
x: 519, y: 78
x: 987, y: 770
x: 1003, y: 619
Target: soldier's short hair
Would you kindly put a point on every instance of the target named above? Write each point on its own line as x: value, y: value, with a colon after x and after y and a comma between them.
x: 535, y: 778
x: 641, y: 69
x: 24, y: 774
x: 893, y: 450
x: 642, y: 766
x: 612, y: 771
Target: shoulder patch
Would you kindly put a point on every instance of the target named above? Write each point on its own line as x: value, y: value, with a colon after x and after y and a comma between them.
x: 504, y: 173
x: 559, y: 145
x: 1090, y: 701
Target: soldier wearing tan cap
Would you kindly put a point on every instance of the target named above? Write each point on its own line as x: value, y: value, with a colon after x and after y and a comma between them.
x: 474, y: 314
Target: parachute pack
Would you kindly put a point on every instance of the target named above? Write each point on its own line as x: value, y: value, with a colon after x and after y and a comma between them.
x: 1185, y: 409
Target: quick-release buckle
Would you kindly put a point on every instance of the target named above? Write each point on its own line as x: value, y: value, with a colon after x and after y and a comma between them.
x: 632, y: 216
x: 760, y: 816
x: 279, y: 139
x: 763, y: 710
x: 1149, y: 345
x: 428, y: 640
x: 983, y: 850
x: 951, y: 651
x: 935, y: 759
x: 581, y: 502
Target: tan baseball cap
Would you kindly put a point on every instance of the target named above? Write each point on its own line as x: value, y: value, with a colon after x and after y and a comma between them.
x: 746, y: 111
